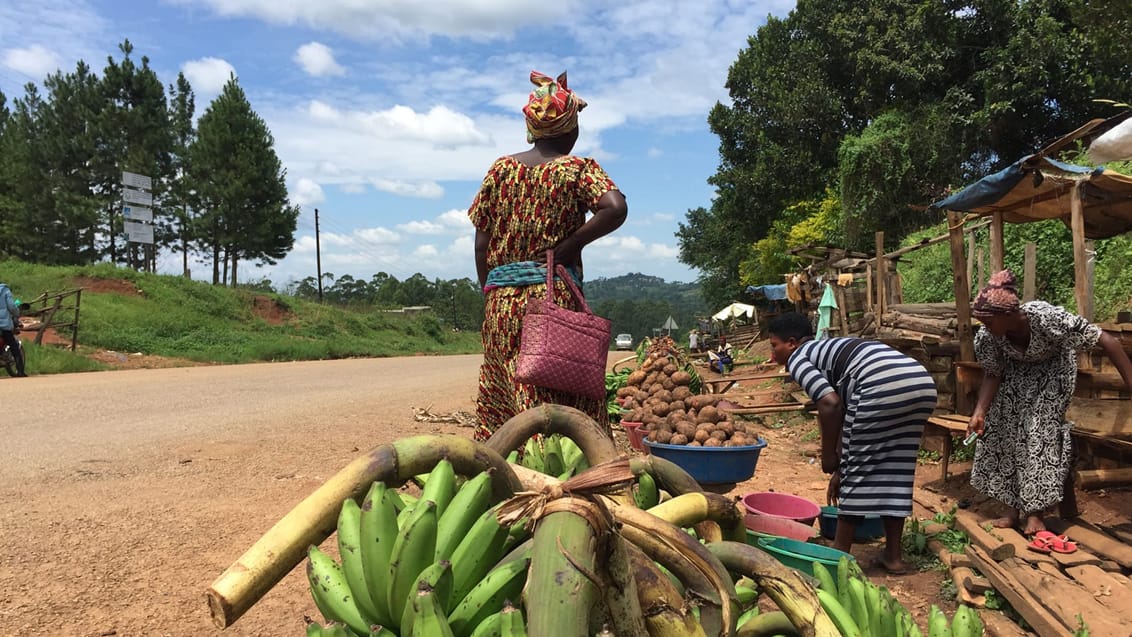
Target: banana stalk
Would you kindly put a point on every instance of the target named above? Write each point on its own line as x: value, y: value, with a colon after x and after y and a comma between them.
x: 546, y: 419
x: 702, y: 574
x: 313, y: 519
x: 564, y: 542
x: 661, y: 602
x: 691, y: 509
x: 620, y: 589
x: 792, y: 592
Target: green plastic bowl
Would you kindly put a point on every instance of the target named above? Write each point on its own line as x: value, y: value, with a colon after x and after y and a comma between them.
x: 801, y: 555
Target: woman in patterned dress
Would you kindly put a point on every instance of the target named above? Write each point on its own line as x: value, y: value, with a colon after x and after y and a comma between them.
x: 531, y: 202
x: 872, y: 403
x: 1028, y: 352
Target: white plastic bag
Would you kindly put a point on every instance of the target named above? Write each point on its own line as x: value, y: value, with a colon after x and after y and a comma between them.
x: 1115, y: 145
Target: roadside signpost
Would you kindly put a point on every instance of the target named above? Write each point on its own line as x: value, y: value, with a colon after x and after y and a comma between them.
x: 137, y: 232
x: 136, y: 202
x: 137, y: 213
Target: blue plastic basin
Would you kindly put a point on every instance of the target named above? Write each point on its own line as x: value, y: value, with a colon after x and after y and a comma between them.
x: 712, y: 465
x: 801, y: 555
x: 870, y: 529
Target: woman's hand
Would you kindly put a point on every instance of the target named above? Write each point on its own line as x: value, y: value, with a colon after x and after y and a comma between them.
x: 832, y: 492
x: 977, y: 423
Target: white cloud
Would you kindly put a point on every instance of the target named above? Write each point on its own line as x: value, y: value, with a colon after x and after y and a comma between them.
x: 352, y: 188
x: 457, y: 219
x: 421, y: 227
x: 306, y: 192
x: 440, y: 126
x: 423, y: 189
x: 34, y: 61
x: 318, y: 60
x: 655, y: 152
x: 208, y: 75
x: 451, y: 222
x: 400, y: 19
x: 425, y: 251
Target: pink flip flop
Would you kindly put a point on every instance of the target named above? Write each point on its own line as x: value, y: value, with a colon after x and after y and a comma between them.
x: 1053, y: 542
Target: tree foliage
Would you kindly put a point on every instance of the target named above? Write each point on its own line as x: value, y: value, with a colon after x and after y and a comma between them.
x: 64, y: 146
x: 892, y: 103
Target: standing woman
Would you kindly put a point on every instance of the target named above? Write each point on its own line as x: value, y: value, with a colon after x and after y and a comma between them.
x: 872, y: 404
x: 531, y: 202
x: 1028, y: 352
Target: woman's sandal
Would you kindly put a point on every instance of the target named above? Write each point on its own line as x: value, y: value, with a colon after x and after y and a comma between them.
x: 1045, y: 542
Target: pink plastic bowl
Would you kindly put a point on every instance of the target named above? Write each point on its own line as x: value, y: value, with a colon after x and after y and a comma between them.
x: 782, y: 505
x: 780, y: 527
x: 636, y: 435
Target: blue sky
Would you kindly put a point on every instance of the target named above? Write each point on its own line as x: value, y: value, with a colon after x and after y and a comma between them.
x: 387, y: 113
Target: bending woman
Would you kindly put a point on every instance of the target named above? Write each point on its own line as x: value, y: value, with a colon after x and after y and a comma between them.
x: 531, y: 202
x: 872, y: 404
x: 1028, y: 352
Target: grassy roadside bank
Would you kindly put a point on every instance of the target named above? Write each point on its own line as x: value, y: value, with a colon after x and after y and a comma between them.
x: 174, y: 317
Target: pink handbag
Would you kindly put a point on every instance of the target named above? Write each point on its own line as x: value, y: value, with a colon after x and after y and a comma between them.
x: 562, y: 349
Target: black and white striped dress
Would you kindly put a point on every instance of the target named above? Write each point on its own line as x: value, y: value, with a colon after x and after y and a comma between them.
x: 887, y: 398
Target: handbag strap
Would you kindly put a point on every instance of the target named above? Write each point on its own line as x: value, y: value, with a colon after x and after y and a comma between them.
x: 551, y: 270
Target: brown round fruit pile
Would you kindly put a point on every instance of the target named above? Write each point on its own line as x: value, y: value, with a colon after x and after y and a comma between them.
x: 657, y: 395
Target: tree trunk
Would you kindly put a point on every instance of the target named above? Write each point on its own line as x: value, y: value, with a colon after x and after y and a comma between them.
x: 234, y: 259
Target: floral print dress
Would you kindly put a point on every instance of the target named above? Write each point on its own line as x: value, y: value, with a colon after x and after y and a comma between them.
x: 1025, y: 452
x: 526, y: 210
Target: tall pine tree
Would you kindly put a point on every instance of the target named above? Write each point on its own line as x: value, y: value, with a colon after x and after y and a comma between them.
x: 178, y: 225
x: 239, y: 180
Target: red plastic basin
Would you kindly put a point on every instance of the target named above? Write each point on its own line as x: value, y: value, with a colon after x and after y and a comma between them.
x: 779, y: 527
x: 636, y: 435
x: 782, y: 505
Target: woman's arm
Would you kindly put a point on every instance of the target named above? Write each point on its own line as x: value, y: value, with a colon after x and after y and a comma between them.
x: 831, y: 418
x: 481, y: 256
x: 987, y: 392
x: 1115, y: 352
x: 608, y: 216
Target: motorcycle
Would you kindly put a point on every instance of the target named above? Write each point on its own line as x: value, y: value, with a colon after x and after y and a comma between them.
x: 7, y: 358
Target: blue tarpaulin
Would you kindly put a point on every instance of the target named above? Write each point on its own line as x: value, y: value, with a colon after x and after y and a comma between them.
x: 768, y: 292
x: 1036, y: 188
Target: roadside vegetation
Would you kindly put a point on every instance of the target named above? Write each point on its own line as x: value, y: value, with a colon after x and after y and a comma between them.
x: 127, y: 311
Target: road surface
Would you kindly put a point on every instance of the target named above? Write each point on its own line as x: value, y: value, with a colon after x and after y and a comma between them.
x: 124, y: 494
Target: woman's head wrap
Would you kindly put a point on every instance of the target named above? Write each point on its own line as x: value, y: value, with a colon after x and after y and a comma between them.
x: 552, y: 108
x: 1000, y: 296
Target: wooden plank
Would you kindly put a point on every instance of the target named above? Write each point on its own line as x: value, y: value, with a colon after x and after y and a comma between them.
x: 1093, y: 538
x: 1029, y: 272
x: 989, y: 541
x: 976, y: 584
x: 997, y: 262
x: 1106, y: 588
x: 1081, y: 290
x: 997, y: 624
x: 1101, y: 478
x: 882, y: 275
x: 972, y: 246
x: 1066, y: 599
x: 1021, y: 544
x: 962, y: 288
x: 1043, y: 622
x: 1107, y: 417
x: 870, y: 300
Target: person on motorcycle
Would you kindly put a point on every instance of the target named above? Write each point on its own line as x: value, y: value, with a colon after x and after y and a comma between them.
x: 9, y: 314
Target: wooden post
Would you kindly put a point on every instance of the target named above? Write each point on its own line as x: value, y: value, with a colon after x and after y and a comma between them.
x: 997, y: 261
x: 971, y: 247
x: 75, y: 330
x: 870, y: 302
x: 1029, y: 272
x: 842, y: 311
x: 1090, y: 266
x: 962, y: 287
x: 882, y: 274
x: 1082, y: 290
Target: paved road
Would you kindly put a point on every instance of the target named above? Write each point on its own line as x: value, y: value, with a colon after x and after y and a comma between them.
x: 123, y: 494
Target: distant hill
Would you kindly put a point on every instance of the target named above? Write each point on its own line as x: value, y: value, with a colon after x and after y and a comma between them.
x: 639, y: 303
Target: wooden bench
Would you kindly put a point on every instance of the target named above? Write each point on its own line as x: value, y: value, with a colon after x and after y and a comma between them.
x: 946, y: 426
x: 722, y: 384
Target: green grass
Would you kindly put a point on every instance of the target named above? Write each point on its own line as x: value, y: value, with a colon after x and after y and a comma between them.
x: 176, y: 317
x: 46, y: 359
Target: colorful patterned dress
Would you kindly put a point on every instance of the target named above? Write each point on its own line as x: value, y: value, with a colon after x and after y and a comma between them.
x: 526, y: 210
x: 1025, y: 451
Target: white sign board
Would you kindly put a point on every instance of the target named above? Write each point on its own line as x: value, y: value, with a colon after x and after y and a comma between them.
x: 137, y: 181
x: 138, y: 232
x: 137, y: 213
x: 140, y: 197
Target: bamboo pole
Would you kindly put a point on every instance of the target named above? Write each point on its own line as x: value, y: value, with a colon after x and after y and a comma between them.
x: 997, y: 261
x: 882, y: 273
x: 1082, y: 290
x: 1029, y: 272
x: 962, y: 288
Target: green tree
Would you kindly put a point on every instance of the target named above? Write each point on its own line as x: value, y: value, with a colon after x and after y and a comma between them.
x: 22, y: 164
x: 240, y: 183
x: 177, y: 228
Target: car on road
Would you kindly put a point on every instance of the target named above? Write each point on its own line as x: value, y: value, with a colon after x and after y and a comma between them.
x: 624, y: 341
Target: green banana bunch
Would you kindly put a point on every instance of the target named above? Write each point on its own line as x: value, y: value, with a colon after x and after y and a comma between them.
x: 331, y: 591
x: 511, y: 622
x: 937, y: 623
x: 436, y: 578
x: 378, y: 532
x: 646, y: 494
x: 554, y: 455
x: 966, y: 623
x: 491, y: 626
x: 413, y: 551
x: 840, y: 615
x: 532, y: 456
x: 480, y: 550
x: 428, y: 616
x: 353, y: 566
x: 469, y: 503
x: 441, y: 486
x: 501, y: 584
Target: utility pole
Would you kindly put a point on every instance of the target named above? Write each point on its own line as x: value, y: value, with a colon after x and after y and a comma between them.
x: 318, y: 255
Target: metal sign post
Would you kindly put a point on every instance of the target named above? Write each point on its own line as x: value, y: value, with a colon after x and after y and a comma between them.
x: 137, y: 212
